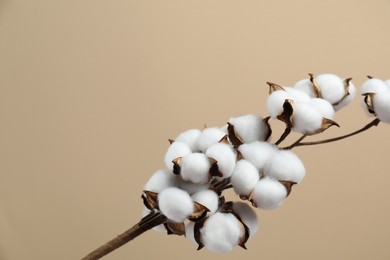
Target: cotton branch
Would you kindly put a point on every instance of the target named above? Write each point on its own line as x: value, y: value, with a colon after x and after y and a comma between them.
x: 148, y: 222
x: 375, y: 122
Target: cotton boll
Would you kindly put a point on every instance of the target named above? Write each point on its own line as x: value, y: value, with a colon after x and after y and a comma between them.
x: 268, y: 194
x: 331, y: 87
x: 161, y: 180
x: 374, y: 85
x: 248, y: 216
x: 275, y: 102
x: 387, y: 82
x: 221, y: 232
x: 225, y: 157
x: 306, y: 118
x: 325, y: 108
x: 175, y: 150
x: 190, y: 232
x: 297, y: 95
x: 348, y: 99
x: 190, y: 187
x: 208, y: 137
x: 175, y: 204
x: 257, y: 153
x: 284, y: 165
x: 306, y: 86
x: 382, y: 106
x: 159, y: 228
x: 195, y: 168
x: 244, y: 178
x: 207, y: 198
x: 190, y: 137
x: 250, y: 128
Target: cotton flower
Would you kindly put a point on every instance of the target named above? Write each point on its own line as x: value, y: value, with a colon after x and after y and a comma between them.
x: 190, y: 187
x: 175, y: 204
x: 208, y: 137
x: 195, y: 168
x: 244, y: 178
x: 306, y: 86
x: 257, y: 153
x: 331, y: 86
x: 374, y: 85
x: 190, y: 231
x: 382, y: 106
x: 207, y: 198
x: 250, y: 128
x: 176, y: 150
x: 221, y: 232
x: 161, y: 180
x: 348, y: 99
x: 323, y: 106
x: 275, y: 102
x: 388, y: 83
x: 284, y: 165
x: 225, y: 157
x: 375, y: 98
x: 247, y: 215
x: 297, y: 95
x: 268, y: 194
x: 190, y: 137
x: 306, y: 118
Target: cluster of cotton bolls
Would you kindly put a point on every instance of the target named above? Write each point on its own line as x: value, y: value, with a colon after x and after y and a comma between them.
x: 309, y: 106
x: 376, y: 98
x: 201, y: 164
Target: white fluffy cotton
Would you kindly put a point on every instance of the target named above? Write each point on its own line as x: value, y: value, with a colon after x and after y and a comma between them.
x: 284, y: 165
x: 175, y: 204
x: 248, y: 216
x: 161, y: 180
x: 275, y: 102
x: 306, y: 86
x: 331, y: 87
x: 190, y: 232
x: 207, y: 198
x: 374, y: 85
x: 297, y: 94
x: 268, y: 194
x: 195, y: 168
x: 175, y: 150
x: 221, y: 232
x: 382, y: 106
x: 190, y: 137
x: 326, y: 109
x: 387, y: 82
x: 250, y: 128
x: 306, y: 118
x: 225, y: 156
x: 190, y: 187
x: 348, y: 99
x: 257, y: 153
x: 208, y: 137
x: 244, y: 178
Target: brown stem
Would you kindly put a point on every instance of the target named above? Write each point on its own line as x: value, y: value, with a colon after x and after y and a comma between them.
x: 286, y: 132
x: 150, y: 221
x: 297, y: 142
x: 375, y: 122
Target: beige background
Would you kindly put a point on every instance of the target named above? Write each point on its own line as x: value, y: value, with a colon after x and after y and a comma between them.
x: 90, y: 91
